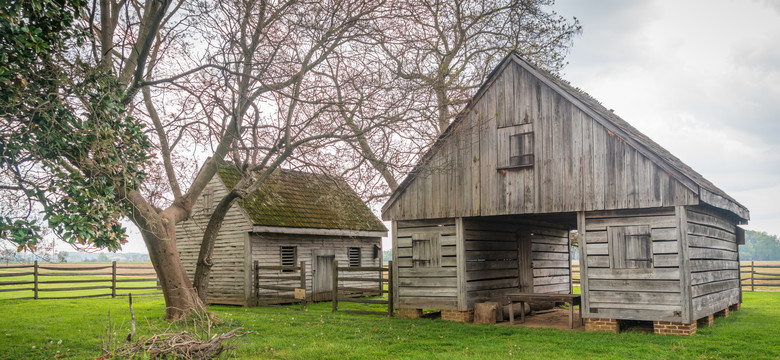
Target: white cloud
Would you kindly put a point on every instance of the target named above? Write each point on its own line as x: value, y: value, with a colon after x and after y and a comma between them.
x: 702, y: 78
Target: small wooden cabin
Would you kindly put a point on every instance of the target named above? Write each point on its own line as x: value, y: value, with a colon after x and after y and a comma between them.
x: 295, y: 216
x: 489, y: 211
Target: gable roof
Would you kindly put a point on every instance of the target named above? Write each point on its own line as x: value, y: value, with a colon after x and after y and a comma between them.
x: 707, y: 191
x: 297, y: 199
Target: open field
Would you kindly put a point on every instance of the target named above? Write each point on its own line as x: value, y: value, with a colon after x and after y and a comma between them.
x: 40, y: 329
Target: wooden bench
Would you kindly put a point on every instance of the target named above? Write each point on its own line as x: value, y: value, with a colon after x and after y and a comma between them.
x: 522, y: 298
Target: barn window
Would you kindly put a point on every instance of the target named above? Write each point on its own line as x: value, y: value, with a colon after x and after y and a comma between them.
x: 208, y: 200
x: 521, y: 149
x: 289, y: 256
x: 354, y: 257
x: 426, y: 250
x: 630, y: 247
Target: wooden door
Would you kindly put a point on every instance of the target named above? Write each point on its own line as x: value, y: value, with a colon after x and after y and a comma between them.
x: 322, y: 274
x: 525, y: 261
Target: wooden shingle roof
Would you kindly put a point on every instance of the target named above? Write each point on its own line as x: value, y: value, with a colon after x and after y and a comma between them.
x: 304, y: 200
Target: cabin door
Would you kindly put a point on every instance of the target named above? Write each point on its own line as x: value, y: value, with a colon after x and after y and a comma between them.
x: 322, y: 277
x: 525, y: 261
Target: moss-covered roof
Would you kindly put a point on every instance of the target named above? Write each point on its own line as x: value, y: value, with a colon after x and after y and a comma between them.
x: 303, y: 200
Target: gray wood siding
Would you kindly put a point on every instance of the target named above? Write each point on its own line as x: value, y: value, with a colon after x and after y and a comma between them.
x: 578, y: 163
x: 633, y: 294
x: 551, y: 259
x: 266, y: 248
x: 230, y: 276
x: 713, y: 252
x: 492, y: 270
x: 425, y: 287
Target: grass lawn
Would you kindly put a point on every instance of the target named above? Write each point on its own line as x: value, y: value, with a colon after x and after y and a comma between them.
x: 43, y: 329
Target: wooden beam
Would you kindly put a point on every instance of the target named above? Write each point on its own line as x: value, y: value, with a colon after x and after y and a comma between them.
x: 685, y: 265
x: 460, y: 249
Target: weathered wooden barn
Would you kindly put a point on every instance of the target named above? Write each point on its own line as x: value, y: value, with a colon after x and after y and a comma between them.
x: 489, y: 209
x: 293, y: 217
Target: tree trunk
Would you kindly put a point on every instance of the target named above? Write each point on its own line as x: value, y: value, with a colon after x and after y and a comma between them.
x: 180, y: 297
x: 205, y: 262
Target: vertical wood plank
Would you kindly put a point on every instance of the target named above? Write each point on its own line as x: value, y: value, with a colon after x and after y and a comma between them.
x: 460, y: 250
x: 390, y: 288
x: 335, y: 294
x: 475, y: 164
x: 583, y: 240
x: 685, y: 264
x: 394, y: 293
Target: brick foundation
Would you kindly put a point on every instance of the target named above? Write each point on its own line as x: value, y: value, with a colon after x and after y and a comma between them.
x: 705, y: 321
x: 723, y: 313
x: 461, y: 316
x: 735, y: 307
x: 673, y: 328
x: 597, y: 324
x: 408, y: 313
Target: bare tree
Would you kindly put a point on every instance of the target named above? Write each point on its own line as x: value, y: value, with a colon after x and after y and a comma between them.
x: 439, y: 52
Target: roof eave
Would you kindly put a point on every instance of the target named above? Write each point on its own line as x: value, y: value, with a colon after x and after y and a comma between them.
x: 316, y: 231
x: 723, y: 203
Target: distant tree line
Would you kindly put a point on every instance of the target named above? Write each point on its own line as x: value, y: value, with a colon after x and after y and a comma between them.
x: 759, y: 246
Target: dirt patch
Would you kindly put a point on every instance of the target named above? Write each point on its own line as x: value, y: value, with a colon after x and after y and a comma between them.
x: 557, y: 318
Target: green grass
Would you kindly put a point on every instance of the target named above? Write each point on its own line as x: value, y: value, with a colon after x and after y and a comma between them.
x: 39, y: 329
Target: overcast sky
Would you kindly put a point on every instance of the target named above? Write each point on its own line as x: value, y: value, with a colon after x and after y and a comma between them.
x: 701, y: 78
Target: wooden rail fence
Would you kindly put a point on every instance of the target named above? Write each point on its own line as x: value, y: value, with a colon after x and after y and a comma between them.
x: 120, y: 284
x: 356, y: 295
x: 285, y: 294
x: 754, y: 275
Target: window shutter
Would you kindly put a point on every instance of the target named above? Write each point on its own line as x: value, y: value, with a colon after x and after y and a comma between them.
x: 354, y: 257
x: 426, y: 250
x: 630, y: 247
x: 521, y: 147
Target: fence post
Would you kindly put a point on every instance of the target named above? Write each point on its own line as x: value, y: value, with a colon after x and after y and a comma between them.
x: 335, y: 285
x: 390, y: 288
x: 303, y: 283
x: 113, y: 279
x: 381, y: 279
x: 35, y: 280
x: 752, y: 276
x: 257, y: 281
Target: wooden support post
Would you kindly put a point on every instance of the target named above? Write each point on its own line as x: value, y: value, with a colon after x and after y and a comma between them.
x: 35, y: 280
x: 113, y: 279
x: 257, y: 281
x: 335, y: 285
x: 752, y: 276
x: 390, y: 305
x: 303, y: 283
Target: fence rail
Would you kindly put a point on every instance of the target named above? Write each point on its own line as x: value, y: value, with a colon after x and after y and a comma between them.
x: 285, y: 294
x: 356, y: 295
x: 753, y: 274
x: 114, y: 283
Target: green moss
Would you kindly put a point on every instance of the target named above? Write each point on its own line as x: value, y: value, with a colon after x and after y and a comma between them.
x: 297, y: 199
